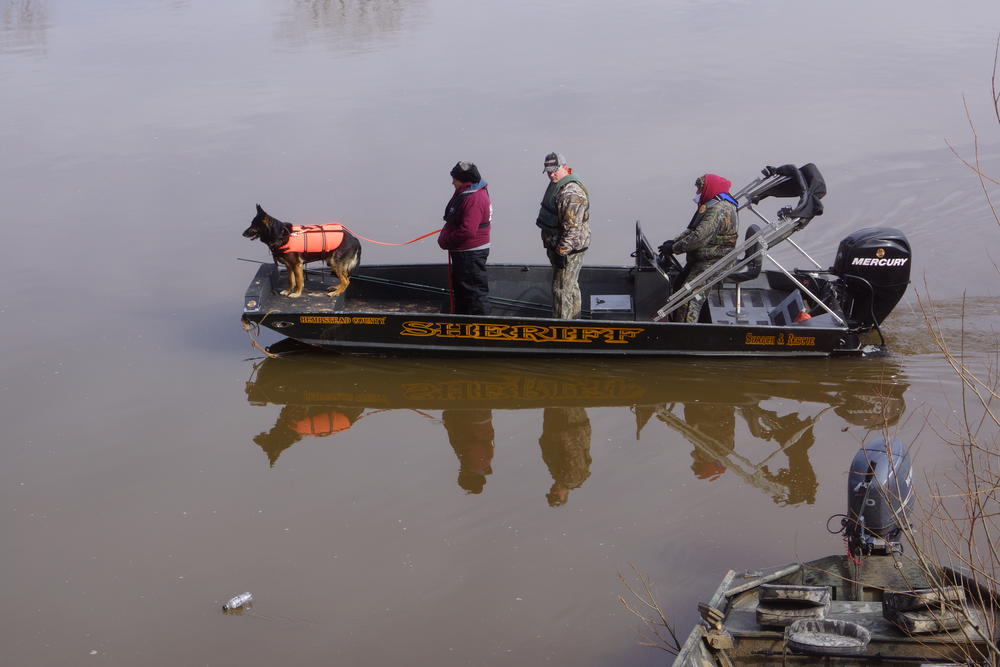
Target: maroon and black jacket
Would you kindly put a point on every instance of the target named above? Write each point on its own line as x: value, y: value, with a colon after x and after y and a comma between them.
x: 467, y: 219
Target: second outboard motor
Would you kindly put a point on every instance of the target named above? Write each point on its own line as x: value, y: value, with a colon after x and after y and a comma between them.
x: 874, y: 265
x: 879, y: 495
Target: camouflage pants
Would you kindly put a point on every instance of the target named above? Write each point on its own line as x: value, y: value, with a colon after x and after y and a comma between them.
x: 690, y: 311
x: 566, y: 301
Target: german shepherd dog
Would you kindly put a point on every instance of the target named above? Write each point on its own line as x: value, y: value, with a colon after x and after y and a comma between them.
x: 274, y: 234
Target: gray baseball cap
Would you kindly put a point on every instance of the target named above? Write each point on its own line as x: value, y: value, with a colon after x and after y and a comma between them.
x: 553, y: 161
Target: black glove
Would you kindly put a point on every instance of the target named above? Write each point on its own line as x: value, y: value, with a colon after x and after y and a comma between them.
x: 558, y: 261
x: 666, y: 248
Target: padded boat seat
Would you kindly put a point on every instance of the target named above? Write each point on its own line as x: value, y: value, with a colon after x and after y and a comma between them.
x: 786, y: 312
x: 749, y: 272
x: 926, y: 610
x: 781, y: 604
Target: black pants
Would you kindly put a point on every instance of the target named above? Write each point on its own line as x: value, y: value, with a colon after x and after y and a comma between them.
x: 470, y: 288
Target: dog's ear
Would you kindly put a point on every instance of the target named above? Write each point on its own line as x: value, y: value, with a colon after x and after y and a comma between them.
x: 260, y: 211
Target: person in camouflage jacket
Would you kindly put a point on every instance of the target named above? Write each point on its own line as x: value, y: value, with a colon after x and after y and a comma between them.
x: 711, y: 234
x: 564, y: 218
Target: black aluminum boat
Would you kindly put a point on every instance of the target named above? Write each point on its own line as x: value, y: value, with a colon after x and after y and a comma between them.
x: 747, y: 310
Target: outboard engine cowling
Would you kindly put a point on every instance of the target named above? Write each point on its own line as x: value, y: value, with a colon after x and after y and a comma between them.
x: 879, y: 496
x: 874, y: 265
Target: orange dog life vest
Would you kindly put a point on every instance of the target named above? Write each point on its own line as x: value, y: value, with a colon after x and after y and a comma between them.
x: 314, y: 238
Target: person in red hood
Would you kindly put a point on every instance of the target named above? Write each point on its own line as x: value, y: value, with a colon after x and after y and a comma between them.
x: 711, y: 234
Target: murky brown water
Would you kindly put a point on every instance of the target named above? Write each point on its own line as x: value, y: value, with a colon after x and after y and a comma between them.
x: 437, y: 512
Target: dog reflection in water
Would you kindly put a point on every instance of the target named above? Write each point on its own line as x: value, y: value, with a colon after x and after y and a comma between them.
x: 296, y: 422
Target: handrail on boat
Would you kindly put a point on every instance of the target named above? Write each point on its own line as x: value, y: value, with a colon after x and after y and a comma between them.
x: 772, y: 234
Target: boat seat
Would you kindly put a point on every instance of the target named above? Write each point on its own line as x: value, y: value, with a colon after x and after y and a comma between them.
x: 749, y: 272
x: 787, y: 312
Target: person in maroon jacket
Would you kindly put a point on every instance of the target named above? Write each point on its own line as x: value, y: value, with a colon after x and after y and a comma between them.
x: 466, y: 237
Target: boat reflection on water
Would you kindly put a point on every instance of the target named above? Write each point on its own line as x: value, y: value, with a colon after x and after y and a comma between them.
x: 872, y: 400
x: 778, y: 402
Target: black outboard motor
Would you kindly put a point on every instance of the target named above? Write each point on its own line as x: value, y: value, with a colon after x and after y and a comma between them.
x: 879, y: 495
x: 874, y: 266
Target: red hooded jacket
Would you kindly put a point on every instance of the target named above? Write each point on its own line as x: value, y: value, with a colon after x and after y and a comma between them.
x: 714, y: 185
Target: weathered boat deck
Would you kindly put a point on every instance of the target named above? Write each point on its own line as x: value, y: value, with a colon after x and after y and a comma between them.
x: 852, y: 601
x: 742, y: 622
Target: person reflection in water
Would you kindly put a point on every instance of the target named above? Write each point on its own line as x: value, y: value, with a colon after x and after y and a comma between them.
x: 711, y: 428
x: 470, y: 433
x: 795, y: 436
x: 716, y: 424
x: 565, y: 444
x: 300, y: 421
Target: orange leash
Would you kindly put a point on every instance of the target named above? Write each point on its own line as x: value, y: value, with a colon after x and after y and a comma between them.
x: 451, y: 290
x: 419, y: 238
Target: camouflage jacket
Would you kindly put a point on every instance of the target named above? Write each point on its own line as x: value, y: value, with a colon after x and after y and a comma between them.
x: 711, y: 234
x: 572, y: 213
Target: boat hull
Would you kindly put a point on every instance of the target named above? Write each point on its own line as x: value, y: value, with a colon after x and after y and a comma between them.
x: 384, y: 312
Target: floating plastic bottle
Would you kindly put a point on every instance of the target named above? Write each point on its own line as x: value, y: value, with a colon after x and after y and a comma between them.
x: 238, y: 602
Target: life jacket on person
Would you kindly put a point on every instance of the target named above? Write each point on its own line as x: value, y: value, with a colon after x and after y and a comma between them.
x: 326, y: 423
x: 547, y: 216
x: 314, y: 238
